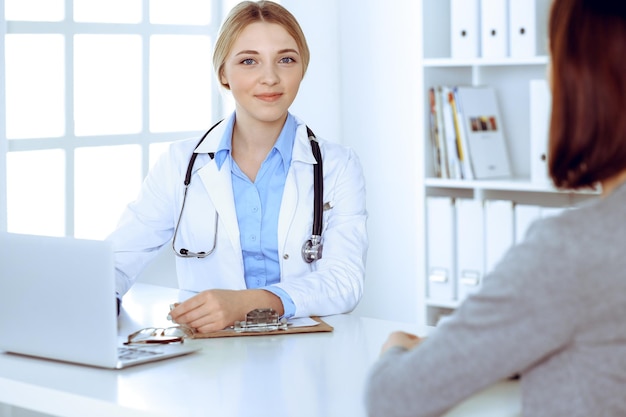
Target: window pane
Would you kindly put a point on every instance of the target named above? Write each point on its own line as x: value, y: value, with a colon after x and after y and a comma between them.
x: 107, y: 84
x: 180, y: 83
x: 107, y: 11
x: 106, y: 179
x: 35, y: 10
x: 35, y: 92
x: 36, y: 192
x: 156, y: 150
x: 184, y: 12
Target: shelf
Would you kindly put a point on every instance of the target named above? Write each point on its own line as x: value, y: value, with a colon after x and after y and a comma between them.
x: 519, y: 185
x: 442, y: 304
x: 482, y: 62
x: 497, y: 212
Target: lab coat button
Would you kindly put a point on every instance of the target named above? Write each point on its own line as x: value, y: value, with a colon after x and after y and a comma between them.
x: 286, y: 256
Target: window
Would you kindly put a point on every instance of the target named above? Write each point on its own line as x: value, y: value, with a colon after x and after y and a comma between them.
x: 94, y: 91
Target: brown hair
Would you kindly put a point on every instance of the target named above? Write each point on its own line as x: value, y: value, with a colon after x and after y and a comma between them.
x: 588, y: 125
x: 248, y: 12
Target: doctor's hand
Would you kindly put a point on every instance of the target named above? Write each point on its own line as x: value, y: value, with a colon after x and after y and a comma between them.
x: 214, y: 310
x: 401, y: 339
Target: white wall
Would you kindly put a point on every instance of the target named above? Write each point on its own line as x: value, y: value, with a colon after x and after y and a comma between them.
x: 319, y: 100
x: 3, y: 142
x: 381, y: 104
x: 373, y: 48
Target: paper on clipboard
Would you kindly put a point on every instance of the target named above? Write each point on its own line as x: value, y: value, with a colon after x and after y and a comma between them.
x: 299, y: 325
x: 302, y: 322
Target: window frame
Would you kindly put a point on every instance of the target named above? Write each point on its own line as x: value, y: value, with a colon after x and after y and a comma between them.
x: 69, y: 142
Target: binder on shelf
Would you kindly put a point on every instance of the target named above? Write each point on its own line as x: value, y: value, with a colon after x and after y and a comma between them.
x: 464, y: 28
x: 469, y: 246
x: 525, y: 215
x: 552, y: 211
x: 494, y: 28
x: 485, y: 134
x: 440, y: 256
x: 540, y: 108
x: 499, y: 231
x: 522, y: 28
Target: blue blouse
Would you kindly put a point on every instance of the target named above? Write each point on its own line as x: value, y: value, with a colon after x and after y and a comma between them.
x: 258, y: 206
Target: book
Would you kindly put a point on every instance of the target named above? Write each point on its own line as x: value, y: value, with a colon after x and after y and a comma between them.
x: 441, y: 134
x: 461, y: 136
x: 454, y: 168
x: 434, y: 134
x: 485, y: 134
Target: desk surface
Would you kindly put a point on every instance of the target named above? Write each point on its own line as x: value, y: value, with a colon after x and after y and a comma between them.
x: 317, y: 374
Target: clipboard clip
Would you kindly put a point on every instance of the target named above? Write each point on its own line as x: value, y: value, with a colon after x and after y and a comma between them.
x: 261, y: 320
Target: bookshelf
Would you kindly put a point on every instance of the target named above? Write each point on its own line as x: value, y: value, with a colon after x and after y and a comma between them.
x: 511, y: 79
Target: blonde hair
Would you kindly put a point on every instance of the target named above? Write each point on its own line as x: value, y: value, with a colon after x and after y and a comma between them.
x: 248, y: 12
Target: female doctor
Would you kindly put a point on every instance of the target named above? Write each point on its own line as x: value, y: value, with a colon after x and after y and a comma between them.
x: 243, y: 227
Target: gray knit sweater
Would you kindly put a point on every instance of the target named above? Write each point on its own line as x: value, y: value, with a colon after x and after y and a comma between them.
x: 553, y: 310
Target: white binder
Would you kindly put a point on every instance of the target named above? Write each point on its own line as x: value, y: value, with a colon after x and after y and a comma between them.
x: 499, y: 231
x: 525, y: 215
x: 552, y: 211
x: 464, y: 28
x: 540, y: 108
x: 494, y: 28
x: 485, y: 133
x: 469, y: 246
x: 440, y: 224
x: 522, y: 28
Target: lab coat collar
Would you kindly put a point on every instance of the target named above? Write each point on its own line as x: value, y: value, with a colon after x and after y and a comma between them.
x: 301, y: 146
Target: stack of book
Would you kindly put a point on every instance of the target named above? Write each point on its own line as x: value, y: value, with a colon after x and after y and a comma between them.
x: 466, y: 131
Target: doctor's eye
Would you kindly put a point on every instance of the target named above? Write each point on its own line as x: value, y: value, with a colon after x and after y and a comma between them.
x: 287, y: 60
x: 248, y: 61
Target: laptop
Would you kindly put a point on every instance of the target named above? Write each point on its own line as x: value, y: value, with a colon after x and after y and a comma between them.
x: 57, y: 301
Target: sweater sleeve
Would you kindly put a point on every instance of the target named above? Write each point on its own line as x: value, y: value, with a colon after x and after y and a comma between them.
x: 521, y: 315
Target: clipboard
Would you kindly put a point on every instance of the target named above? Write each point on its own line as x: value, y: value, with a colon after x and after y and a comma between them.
x: 319, y: 328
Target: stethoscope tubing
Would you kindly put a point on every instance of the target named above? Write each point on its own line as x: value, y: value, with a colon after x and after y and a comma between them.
x: 311, y: 249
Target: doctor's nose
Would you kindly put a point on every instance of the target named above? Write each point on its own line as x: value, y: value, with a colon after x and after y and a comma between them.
x: 270, y: 75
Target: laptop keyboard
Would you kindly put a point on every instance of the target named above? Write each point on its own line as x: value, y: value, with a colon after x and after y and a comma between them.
x: 131, y: 353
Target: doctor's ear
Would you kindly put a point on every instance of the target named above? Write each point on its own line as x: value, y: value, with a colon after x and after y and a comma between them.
x: 224, y: 81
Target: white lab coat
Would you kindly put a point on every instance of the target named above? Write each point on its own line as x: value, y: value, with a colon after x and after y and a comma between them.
x: 331, y: 285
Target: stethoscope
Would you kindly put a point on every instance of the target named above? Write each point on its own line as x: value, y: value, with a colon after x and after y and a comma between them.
x: 311, y: 249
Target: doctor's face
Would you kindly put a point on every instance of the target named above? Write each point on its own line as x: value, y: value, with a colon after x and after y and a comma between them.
x: 263, y: 71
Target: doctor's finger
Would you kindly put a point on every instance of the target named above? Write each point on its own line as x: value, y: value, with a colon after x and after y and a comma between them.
x: 212, y: 326
x: 186, y: 311
x: 205, y: 321
x: 197, y: 301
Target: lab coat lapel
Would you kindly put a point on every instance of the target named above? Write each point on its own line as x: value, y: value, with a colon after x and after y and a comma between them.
x: 218, y: 185
x: 299, y: 177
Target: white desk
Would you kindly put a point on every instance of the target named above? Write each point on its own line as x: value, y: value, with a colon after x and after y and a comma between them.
x: 298, y: 375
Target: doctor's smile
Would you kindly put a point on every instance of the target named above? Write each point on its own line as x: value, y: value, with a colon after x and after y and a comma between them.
x: 269, y: 97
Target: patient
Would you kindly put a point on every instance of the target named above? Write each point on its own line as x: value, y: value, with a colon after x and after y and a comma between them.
x: 554, y: 309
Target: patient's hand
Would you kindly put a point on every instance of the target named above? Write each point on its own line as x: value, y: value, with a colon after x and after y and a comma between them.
x: 401, y: 339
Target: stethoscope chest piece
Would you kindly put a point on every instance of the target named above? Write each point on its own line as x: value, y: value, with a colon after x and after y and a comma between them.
x: 312, y: 249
